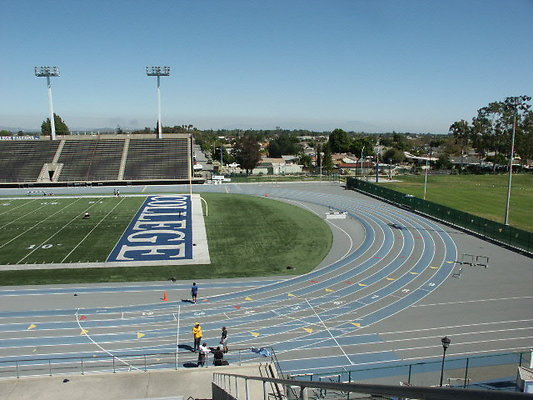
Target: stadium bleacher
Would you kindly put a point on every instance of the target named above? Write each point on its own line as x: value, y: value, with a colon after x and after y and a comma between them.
x: 157, y: 159
x: 22, y: 160
x: 100, y: 158
x: 91, y: 160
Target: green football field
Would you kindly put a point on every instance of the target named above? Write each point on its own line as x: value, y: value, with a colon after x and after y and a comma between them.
x: 53, y: 230
x: 482, y: 195
x: 247, y: 236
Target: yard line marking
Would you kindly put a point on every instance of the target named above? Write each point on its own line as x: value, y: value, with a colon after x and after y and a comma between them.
x: 63, y: 227
x: 29, y: 229
x: 327, y: 329
x: 91, y: 231
x: 22, y: 216
x: 14, y: 208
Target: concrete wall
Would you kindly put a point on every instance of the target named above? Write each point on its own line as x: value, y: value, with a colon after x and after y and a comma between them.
x: 195, y: 382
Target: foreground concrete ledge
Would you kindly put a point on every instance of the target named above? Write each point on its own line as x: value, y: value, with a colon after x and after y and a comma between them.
x: 195, y: 382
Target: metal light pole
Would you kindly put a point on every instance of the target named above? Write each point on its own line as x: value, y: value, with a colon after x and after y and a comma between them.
x: 428, y: 164
x: 49, y: 72
x: 159, y: 72
x: 445, y: 344
x: 425, y: 179
x: 361, y: 159
x: 377, y: 167
x: 509, y: 182
x: 321, y: 157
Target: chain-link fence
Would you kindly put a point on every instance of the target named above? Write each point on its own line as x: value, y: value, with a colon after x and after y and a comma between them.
x: 513, y: 237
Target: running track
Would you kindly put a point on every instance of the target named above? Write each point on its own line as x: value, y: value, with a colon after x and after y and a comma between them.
x: 385, y: 263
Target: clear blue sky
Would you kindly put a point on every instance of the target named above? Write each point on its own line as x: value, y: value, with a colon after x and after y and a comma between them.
x: 355, y: 64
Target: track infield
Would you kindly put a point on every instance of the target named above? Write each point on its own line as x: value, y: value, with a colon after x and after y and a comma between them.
x: 39, y: 233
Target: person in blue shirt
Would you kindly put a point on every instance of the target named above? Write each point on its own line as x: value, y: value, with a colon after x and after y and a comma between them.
x: 194, y: 292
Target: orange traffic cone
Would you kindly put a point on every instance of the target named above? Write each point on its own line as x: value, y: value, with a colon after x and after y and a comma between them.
x: 165, y: 296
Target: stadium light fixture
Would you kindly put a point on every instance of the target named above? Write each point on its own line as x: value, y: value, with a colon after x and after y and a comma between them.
x: 159, y: 72
x: 49, y: 72
x: 445, y: 344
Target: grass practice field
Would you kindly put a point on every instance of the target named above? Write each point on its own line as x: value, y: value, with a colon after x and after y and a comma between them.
x: 248, y: 236
x: 482, y: 195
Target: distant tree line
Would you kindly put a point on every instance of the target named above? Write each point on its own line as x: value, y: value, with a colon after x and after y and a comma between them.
x: 491, y: 130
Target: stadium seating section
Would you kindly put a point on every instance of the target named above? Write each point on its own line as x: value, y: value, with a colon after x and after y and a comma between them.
x: 96, y: 159
x: 22, y: 161
x: 156, y: 159
x: 90, y: 160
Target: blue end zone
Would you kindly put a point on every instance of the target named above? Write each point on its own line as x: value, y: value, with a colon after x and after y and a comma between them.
x: 161, y: 231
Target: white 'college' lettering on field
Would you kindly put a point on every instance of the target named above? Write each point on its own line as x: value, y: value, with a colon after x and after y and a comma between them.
x: 138, y: 226
x: 167, y: 197
x: 146, y: 216
x: 134, y: 237
x: 159, y: 232
x: 180, y: 205
x: 179, y: 249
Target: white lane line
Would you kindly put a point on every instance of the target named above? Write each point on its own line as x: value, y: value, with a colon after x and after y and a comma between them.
x: 55, y: 233
x: 100, y: 347
x: 40, y: 222
x: 92, y: 230
x: 327, y: 329
x: 350, y: 247
x: 440, y: 328
x: 475, y: 301
x: 365, y: 353
x: 178, y: 332
x: 292, y: 318
x: 374, y: 363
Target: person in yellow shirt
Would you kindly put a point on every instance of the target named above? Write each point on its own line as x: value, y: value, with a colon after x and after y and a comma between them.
x: 197, y: 335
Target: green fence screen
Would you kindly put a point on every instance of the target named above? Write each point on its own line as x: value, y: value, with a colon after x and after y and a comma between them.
x: 513, y: 237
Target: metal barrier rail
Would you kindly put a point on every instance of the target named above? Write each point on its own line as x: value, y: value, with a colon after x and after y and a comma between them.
x: 465, y: 371
x: 240, y: 387
x: 121, y: 362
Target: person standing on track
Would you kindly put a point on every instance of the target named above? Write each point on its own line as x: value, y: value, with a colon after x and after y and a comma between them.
x: 224, y: 339
x: 197, y: 335
x: 194, y: 292
x: 202, y: 355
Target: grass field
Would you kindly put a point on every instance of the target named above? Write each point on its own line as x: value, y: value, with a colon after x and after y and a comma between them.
x: 248, y: 236
x: 482, y: 195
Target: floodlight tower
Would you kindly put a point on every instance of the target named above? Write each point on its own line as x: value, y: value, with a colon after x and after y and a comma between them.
x: 159, y: 72
x: 49, y: 72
